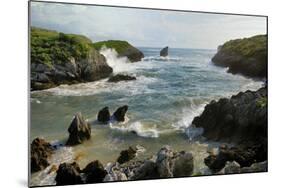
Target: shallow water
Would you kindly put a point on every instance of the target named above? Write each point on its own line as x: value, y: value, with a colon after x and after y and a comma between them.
x: 167, y: 95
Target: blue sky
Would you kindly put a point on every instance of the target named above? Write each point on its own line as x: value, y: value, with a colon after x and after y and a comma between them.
x: 142, y: 27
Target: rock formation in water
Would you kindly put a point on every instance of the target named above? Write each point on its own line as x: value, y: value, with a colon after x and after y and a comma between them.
x: 242, y: 118
x: 164, y: 52
x: 246, y: 56
x: 58, y: 58
x: 120, y: 113
x: 121, y: 77
x: 68, y: 174
x: 104, y: 115
x: 40, y: 153
x: 94, y: 172
x: 123, y: 48
x: 127, y: 155
x: 79, y: 130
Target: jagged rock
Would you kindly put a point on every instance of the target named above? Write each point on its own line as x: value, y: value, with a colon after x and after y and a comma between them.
x: 104, y: 115
x: 120, y: 113
x: 256, y: 167
x: 241, y: 118
x: 164, y: 52
x: 68, y: 174
x: 40, y: 152
x: 95, y: 172
x: 164, y: 162
x: 79, y: 130
x: 127, y: 155
x: 183, y: 164
x: 121, y: 77
x: 231, y: 168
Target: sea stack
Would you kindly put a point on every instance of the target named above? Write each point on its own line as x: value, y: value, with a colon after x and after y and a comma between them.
x: 164, y: 52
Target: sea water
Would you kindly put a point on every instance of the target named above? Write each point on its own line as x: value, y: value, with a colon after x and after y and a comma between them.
x: 163, y: 100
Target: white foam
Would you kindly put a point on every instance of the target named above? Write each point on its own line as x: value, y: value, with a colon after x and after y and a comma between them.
x: 138, y: 128
x: 47, y: 176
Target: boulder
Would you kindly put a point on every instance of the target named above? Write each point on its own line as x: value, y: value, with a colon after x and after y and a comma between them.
x: 68, y: 174
x: 95, y: 172
x: 40, y: 153
x: 121, y: 77
x: 242, y: 118
x: 183, y: 164
x: 127, y: 155
x: 79, y: 130
x: 164, y: 162
x: 120, y: 113
x: 104, y: 115
x: 164, y: 52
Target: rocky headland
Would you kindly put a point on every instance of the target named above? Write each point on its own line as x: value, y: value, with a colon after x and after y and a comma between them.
x: 123, y: 49
x: 247, y: 56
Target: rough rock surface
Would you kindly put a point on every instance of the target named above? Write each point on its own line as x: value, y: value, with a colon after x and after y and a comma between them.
x: 242, y: 118
x: 79, y: 130
x: 121, y: 77
x: 40, y: 153
x: 120, y: 113
x: 246, y: 56
x: 164, y: 52
x: 68, y: 174
x: 104, y: 115
x: 94, y: 172
x: 127, y: 155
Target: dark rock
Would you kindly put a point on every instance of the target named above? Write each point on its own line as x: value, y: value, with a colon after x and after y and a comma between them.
x: 68, y: 174
x: 183, y: 164
x: 241, y: 118
x: 127, y: 155
x: 120, y: 113
x: 164, y: 52
x: 95, y: 172
x: 121, y: 77
x: 40, y: 152
x: 133, y: 54
x: 79, y: 130
x: 245, y: 156
x: 104, y: 115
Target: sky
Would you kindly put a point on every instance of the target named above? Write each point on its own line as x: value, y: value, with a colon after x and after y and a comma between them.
x: 146, y: 27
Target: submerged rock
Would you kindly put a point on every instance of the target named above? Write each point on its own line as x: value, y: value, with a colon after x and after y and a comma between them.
x: 121, y: 77
x: 127, y: 155
x: 104, y: 115
x: 164, y: 52
x: 79, y: 130
x: 68, y: 174
x: 94, y: 172
x: 40, y: 153
x: 120, y: 113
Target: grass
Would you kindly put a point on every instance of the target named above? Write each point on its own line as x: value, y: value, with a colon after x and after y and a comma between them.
x: 247, y: 47
x: 118, y: 45
x: 262, y: 102
x: 52, y: 47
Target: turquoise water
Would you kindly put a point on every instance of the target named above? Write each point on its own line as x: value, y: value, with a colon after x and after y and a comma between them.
x: 162, y: 102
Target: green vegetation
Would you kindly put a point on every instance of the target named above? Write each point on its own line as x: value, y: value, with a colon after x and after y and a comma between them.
x: 262, y: 102
x: 248, y: 47
x: 51, y: 47
x: 118, y: 45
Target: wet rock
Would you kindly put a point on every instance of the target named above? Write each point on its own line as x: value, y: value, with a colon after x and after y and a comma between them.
x: 183, y: 164
x: 115, y: 173
x: 94, y: 172
x: 121, y: 77
x: 164, y: 52
x: 104, y: 115
x: 40, y: 153
x: 164, y: 162
x: 68, y: 174
x: 127, y: 155
x: 120, y: 113
x: 256, y: 167
x: 79, y: 130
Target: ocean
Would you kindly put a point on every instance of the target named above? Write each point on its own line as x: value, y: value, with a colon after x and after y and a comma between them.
x: 167, y: 94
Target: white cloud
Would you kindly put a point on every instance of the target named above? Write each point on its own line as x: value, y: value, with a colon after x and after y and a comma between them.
x: 146, y: 27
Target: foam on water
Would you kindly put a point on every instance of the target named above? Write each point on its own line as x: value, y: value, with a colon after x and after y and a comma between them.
x: 47, y: 176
